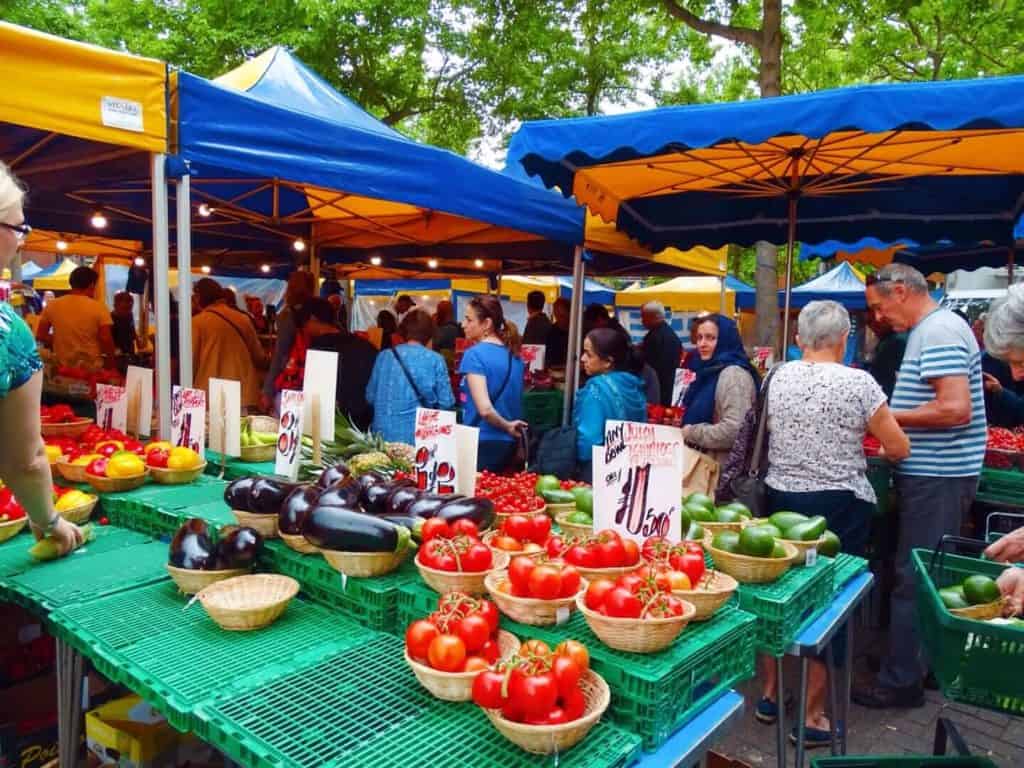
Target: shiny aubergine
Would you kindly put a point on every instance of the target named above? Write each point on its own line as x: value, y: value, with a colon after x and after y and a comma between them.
x: 269, y: 494
x: 337, y: 474
x: 238, y: 494
x: 296, y: 506
x: 373, y: 498
x: 428, y: 504
x: 400, y: 497
x: 413, y: 523
x: 345, y: 529
x: 340, y: 496
x: 480, y: 511
x: 370, y: 478
x: 238, y: 547
x: 191, y: 546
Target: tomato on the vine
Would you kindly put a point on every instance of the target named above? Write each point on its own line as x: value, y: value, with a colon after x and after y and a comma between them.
x: 447, y: 653
x: 434, y: 527
x: 418, y: 637
x: 545, y: 582
x: 596, y: 593
x: 475, y: 631
x: 465, y: 527
x: 567, y: 674
x: 487, y: 688
x: 576, y: 651
x: 622, y: 604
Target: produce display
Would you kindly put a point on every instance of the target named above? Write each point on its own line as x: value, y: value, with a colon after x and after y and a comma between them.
x: 163, y: 456
x: 697, y: 507
x: 605, y: 549
x: 460, y: 636
x: 541, y: 581
x: 522, y: 533
x: 454, y: 547
x: 1004, y: 448
x: 193, y: 548
x: 685, y: 557
x: 57, y: 414
x: 252, y: 438
x: 121, y: 464
x: 645, y: 593
x: 360, y: 451
x: 510, y: 494
x: 10, y: 507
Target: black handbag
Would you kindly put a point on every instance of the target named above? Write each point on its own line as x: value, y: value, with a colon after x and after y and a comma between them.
x: 748, y: 487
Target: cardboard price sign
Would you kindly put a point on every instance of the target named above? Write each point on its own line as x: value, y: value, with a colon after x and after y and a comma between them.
x: 436, y: 462
x: 533, y: 356
x: 226, y: 417
x: 638, y: 475
x: 684, y: 378
x: 289, y: 434
x: 139, y: 383
x: 188, y: 419
x: 112, y: 407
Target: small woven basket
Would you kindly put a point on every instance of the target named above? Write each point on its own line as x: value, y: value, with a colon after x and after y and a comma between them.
x: 752, y: 570
x: 802, y: 547
x: 573, y: 529
x: 444, y: 582
x: 116, y: 484
x: 636, y: 635
x: 712, y: 592
x: 549, y: 739
x: 488, y: 537
x: 248, y: 602
x: 365, y: 564
x: 191, y: 581
x: 714, y: 528
x: 529, y: 610
x: 175, y: 476
x: 67, y: 429
x: 261, y: 453
x: 554, y: 510
x: 590, y: 574
x: 501, y: 517
x: 264, y: 525
x: 73, y: 473
x: 457, y: 686
x: 298, y: 542
x: 982, y: 612
x: 79, y: 515
x: 12, y: 528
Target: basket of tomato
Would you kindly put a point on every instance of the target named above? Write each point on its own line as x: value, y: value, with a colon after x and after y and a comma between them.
x: 60, y: 421
x: 543, y: 701
x: 535, y: 593
x: 12, y: 515
x: 456, y: 642
x: 636, y: 612
x: 511, y: 494
x: 520, y: 535
x: 452, y: 557
x: 707, y: 590
x: 604, y: 555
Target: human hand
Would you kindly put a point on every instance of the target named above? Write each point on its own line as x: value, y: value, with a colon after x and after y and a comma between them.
x: 67, y: 536
x: 1011, y: 585
x: 516, y: 426
x: 991, y: 383
x: 1008, y: 549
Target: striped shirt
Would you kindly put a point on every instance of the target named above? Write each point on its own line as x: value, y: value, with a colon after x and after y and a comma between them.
x: 941, y: 345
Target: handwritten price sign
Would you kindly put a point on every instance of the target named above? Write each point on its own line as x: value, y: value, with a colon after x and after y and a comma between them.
x: 188, y: 419
x: 533, y: 356
x: 436, y: 450
x: 683, y: 379
x: 112, y: 407
x: 289, y: 434
x: 638, y: 474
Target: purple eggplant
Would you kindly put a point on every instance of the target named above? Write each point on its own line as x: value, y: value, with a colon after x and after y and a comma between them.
x: 296, y: 506
x: 346, y: 529
x: 401, y: 496
x: 238, y: 547
x: 428, y: 504
x: 268, y: 494
x: 414, y: 524
x: 191, y: 546
x: 370, y: 478
x: 337, y: 474
x: 340, y: 496
x: 480, y: 511
x: 373, y: 498
x: 238, y: 494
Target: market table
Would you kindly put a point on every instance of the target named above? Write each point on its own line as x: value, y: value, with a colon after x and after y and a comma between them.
x: 691, y: 742
x: 236, y: 468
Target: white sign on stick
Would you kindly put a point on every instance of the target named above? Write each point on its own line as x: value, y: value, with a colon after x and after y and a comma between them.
x: 467, y: 440
x: 320, y: 378
x: 139, y: 383
x: 289, y: 434
x: 684, y: 378
x: 112, y: 407
x: 638, y: 476
x: 533, y: 356
x: 188, y: 419
x: 226, y: 417
x: 436, y: 458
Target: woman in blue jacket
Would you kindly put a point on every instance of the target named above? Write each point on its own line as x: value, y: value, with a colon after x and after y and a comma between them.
x: 613, y: 391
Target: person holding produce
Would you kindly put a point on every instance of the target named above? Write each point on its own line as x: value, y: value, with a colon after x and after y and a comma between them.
x: 1004, y: 340
x: 726, y: 386
x: 300, y: 289
x: 408, y: 377
x: 613, y: 390
x: 938, y: 401
x: 80, y: 325
x: 662, y: 348
x: 818, y: 413
x: 1010, y: 549
x: 492, y: 388
x: 23, y: 464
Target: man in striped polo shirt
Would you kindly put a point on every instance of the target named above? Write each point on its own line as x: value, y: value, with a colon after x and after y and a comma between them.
x: 939, y: 402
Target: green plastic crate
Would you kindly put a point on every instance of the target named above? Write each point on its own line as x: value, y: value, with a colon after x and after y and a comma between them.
x: 846, y: 567
x: 373, y: 602
x: 236, y: 468
x: 782, y: 607
x: 970, y: 659
x: 15, y: 559
x: 215, y: 513
x: 177, y: 657
x: 901, y: 761
x: 368, y: 709
x: 140, y: 516
x: 653, y: 694
x: 202, y: 490
x: 543, y: 410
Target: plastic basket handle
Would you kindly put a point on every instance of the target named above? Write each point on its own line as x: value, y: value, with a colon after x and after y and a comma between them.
x: 940, y: 549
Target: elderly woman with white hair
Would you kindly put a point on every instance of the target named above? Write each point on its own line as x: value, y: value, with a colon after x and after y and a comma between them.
x: 818, y: 414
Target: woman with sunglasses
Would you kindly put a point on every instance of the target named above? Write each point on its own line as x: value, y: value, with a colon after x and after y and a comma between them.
x: 23, y: 465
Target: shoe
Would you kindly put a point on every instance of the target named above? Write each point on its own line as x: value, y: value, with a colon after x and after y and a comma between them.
x: 877, y: 696
x: 767, y: 711
x: 814, y: 737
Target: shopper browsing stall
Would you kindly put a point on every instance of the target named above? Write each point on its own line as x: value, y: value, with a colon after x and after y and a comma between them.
x: 1004, y: 340
x: 285, y: 371
x: 557, y: 341
x: 76, y: 325
x: 537, y: 323
x: 662, y: 348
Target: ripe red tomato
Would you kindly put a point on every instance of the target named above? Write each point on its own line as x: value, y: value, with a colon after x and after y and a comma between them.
x: 534, y: 695
x: 631, y: 582
x: 611, y: 553
x: 690, y: 562
x: 582, y: 557
x: 418, y: 637
x: 540, y: 528
x: 477, y: 558
x: 475, y: 664
x: 597, y: 591
x: 519, y: 571
x: 631, y: 552
x: 608, y: 535
x: 570, y: 581
x: 491, y: 651
x: 487, y: 690
x: 574, y: 705
x: 489, y: 611
x: 475, y: 631
x: 623, y: 604
x: 576, y: 651
x: 567, y: 674
x: 434, y: 527
x: 518, y: 527
x: 554, y: 546
x: 447, y: 653
x: 545, y: 582
x: 465, y: 527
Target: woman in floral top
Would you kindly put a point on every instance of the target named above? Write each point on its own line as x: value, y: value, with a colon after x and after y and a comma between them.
x: 23, y: 465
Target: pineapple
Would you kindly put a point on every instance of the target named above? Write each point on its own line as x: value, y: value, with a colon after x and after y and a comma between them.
x: 362, y: 463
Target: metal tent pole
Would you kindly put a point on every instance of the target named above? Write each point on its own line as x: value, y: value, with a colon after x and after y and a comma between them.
x: 184, y: 237
x: 721, y: 297
x: 161, y: 292
x: 1010, y: 259
x: 572, y: 352
x: 789, y: 275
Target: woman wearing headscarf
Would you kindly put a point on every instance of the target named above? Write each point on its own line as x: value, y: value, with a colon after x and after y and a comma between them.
x: 725, y: 388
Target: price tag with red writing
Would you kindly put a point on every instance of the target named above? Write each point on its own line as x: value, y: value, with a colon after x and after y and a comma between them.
x: 684, y: 378
x: 188, y: 419
x: 112, y: 407
x: 289, y: 434
x: 638, y: 477
x: 533, y: 356
x: 436, y: 458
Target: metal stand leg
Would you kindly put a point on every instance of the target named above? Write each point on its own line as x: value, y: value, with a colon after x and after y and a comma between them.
x: 848, y: 680
x: 69, y: 704
x: 801, y: 714
x: 781, y: 722
x: 833, y: 699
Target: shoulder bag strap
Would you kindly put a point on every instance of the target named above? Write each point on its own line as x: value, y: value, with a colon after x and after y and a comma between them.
x: 408, y: 376
x: 500, y: 392
x: 762, y: 426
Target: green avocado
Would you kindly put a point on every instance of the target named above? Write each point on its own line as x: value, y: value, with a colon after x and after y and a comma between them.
x: 728, y: 541
x: 558, y: 497
x: 579, y: 517
x: 699, y: 513
x: 756, y: 541
x: 695, y: 532
x: 953, y: 597
x: 808, y: 530
x: 779, y: 551
x: 772, y: 529
x: 700, y: 499
x: 584, y: 498
x: 740, y: 507
x: 547, y: 483
x: 727, y: 515
x: 830, y: 545
x: 783, y: 520
x: 979, y: 590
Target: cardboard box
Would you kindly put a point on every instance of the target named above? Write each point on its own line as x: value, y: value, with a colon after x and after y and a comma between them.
x: 129, y: 733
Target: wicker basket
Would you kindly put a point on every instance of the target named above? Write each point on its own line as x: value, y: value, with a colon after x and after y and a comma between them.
x: 802, y: 547
x: 982, y: 612
x: 501, y: 517
x: 12, y: 528
x: 573, y: 529
x: 264, y: 525
x: 716, y: 589
x: 590, y: 574
x: 190, y: 581
x: 79, y: 515
x: 365, y: 564
x: 298, y: 542
x: 248, y: 602
x: 714, y: 528
x: 73, y: 473
x: 67, y: 429
x: 636, y: 635
x: 457, y: 686
x: 116, y: 484
x: 444, y: 582
x: 554, y: 510
x: 753, y: 570
x: 175, y: 476
x: 488, y: 537
x: 550, y: 739
x: 261, y: 453
x: 529, y: 610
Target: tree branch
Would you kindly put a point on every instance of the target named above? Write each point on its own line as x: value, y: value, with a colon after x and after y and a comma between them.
x: 751, y: 37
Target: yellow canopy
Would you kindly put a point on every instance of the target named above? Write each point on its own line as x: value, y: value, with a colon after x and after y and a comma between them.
x: 603, y: 236
x: 82, y: 90
x: 681, y: 294
x: 58, y: 280
x: 42, y: 241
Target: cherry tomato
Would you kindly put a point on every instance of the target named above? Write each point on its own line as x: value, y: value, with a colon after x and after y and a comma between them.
x: 487, y: 690
x: 623, y: 604
x: 519, y: 570
x: 570, y: 581
x: 434, y: 527
x: 576, y: 651
x: 567, y: 674
x: 475, y: 631
x: 465, y: 527
x: 447, y: 653
x: 545, y: 582
x: 597, y: 591
x: 418, y: 637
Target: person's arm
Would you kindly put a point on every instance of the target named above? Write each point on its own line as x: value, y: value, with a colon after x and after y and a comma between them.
x: 43, y: 328
x: 588, y: 418
x: 950, y: 408
x: 24, y: 467
x: 443, y: 385
x: 734, y: 396
x: 1010, y: 405
x: 477, y: 383
x: 895, y: 443
x: 1011, y: 585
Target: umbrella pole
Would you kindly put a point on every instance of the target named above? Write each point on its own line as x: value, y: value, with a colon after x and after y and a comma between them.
x: 162, y: 293
x: 1010, y: 258
x: 184, y: 243
x: 575, y: 310
x: 789, y: 276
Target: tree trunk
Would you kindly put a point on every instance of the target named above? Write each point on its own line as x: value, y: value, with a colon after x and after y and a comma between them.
x: 770, y: 81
